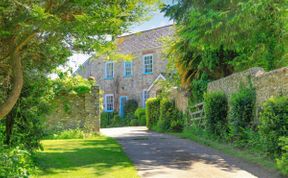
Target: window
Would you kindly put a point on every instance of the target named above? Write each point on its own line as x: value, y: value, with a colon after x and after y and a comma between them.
x: 127, y: 69
x: 145, y: 96
x: 109, y: 103
x: 148, y: 64
x: 109, y: 70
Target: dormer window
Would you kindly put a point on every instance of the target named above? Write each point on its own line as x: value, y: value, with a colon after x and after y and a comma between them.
x: 148, y: 64
x: 109, y: 70
x: 127, y: 69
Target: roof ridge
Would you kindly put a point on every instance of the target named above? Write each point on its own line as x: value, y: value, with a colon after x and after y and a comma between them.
x: 144, y: 31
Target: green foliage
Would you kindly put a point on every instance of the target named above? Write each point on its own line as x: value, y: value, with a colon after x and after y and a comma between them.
x: 216, y: 109
x: 130, y: 106
x: 273, y: 124
x: 170, y: 118
x: 215, y: 38
x: 282, y: 162
x: 241, y: 114
x: 152, y: 111
x: 66, y: 84
x: 69, y: 134
x: 15, y: 162
x: 106, y: 119
x: 140, y: 114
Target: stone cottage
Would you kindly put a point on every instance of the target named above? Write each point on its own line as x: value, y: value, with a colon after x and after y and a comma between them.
x: 121, y: 80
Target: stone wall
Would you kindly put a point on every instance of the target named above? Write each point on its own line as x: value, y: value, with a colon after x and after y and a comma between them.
x: 267, y: 84
x: 73, y: 111
x: 181, y: 99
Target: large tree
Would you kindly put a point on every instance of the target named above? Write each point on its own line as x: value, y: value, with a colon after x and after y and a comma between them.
x: 218, y: 37
x: 43, y: 33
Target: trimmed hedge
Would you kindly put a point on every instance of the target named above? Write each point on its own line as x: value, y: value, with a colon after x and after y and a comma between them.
x: 170, y: 117
x: 241, y: 114
x: 216, y: 110
x: 140, y: 114
x: 274, y: 124
x: 152, y: 111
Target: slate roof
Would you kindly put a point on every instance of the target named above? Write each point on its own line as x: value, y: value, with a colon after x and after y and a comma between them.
x: 144, y: 40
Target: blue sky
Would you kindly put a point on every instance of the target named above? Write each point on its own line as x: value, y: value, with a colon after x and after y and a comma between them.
x: 157, y: 20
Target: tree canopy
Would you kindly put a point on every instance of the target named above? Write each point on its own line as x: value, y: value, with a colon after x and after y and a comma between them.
x: 216, y: 38
x: 39, y: 35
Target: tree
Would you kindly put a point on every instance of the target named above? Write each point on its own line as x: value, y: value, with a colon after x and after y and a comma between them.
x: 216, y: 38
x: 43, y: 33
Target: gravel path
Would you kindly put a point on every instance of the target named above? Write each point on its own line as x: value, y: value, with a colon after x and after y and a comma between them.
x: 166, y: 156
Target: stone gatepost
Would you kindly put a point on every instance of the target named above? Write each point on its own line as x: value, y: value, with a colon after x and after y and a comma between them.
x: 92, y: 109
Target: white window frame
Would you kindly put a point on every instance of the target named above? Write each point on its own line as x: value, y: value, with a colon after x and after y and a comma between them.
x: 144, y: 65
x: 144, y: 99
x: 106, y: 104
x: 125, y: 72
x: 106, y: 70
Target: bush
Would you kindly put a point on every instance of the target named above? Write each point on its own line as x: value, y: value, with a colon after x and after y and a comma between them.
x: 152, y: 111
x: 273, y: 124
x: 170, y: 117
x: 216, y: 109
x: 130, y: 106
x: 106, y: 119
x: 134, y: 122
x: 241, y: 114
x: 15, y: 162
x: 140, y: 114
x: 70, y: 134
x: 282, y: 162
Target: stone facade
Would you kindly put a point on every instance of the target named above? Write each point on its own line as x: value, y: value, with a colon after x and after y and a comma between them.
x: 73, y: 111
x: 137, y: 45
x: 267, y: 84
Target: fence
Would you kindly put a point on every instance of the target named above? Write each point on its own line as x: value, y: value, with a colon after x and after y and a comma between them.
x: 196, y: 115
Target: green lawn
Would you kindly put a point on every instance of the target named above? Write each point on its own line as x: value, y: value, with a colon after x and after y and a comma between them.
x: 97, y: 157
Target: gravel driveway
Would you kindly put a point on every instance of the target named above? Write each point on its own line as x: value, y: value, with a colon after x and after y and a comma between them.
x: 166, y: 156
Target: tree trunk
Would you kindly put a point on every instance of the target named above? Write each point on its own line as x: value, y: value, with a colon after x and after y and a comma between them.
x: 9, y: 128
x: 7, y: 106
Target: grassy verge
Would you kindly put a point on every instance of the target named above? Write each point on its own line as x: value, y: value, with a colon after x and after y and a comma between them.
x: 96, y: 157
x: 249, y: 155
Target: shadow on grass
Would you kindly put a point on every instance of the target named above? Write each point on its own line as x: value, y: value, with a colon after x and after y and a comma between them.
x: 100, y: 155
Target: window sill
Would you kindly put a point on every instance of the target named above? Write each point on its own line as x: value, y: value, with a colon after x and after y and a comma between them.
x: 148, y: 73
x: 128, y: 76
x: 109, y: 111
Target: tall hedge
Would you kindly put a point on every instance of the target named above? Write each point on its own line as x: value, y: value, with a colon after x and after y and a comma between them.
x: 241, y: 113
x: 216, y: 109
x: 152, y: 111
x: 274, y: 124
x: 170, y: 117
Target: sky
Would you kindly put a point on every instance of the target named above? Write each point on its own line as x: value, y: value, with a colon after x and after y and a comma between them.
x: 157, y: 20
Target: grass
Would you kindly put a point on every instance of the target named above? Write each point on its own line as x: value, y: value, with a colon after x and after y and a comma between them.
x: 95, y: 157
x: 252, y: 156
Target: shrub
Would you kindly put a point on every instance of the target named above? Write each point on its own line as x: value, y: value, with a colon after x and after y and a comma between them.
x: 15, y: 162
x: 273, y: 124
x: 152, y: 111
x: 134, y: 122
x: 282, y: 162
x: 130, y: 106
x: 216, y: 108
x: 106, y: 119
x: 70, y: 134
x: 140, y: 114
x: 170, y: 117
x: 241, y: 114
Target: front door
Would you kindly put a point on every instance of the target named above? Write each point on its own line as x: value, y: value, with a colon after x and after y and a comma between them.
x: 123, y: 100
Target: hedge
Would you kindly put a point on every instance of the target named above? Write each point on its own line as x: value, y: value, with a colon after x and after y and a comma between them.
x: 216, y: 109
x: 273, y: 124
x: 152, y: 111
x: 170, y: 117
x: 241, y: 113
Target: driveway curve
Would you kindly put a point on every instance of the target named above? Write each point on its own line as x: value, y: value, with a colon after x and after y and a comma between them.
x: 164, y: 156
